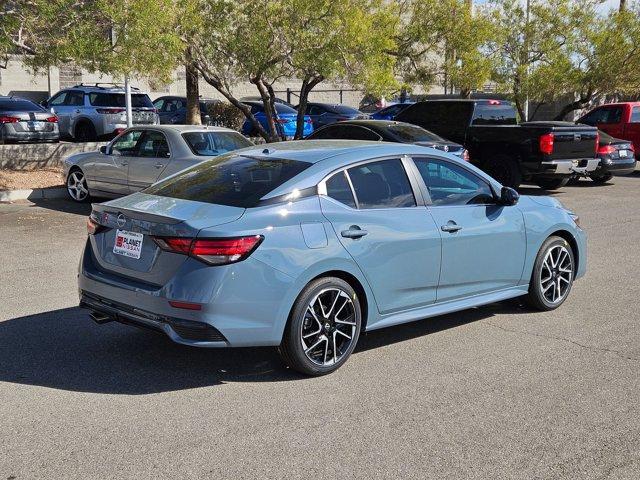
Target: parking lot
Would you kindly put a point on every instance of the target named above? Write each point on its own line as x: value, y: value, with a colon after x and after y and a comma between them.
x: 494, y: 392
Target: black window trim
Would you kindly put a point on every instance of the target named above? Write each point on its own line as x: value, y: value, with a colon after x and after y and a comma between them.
x: 408, y: 166
x: 425, y: 190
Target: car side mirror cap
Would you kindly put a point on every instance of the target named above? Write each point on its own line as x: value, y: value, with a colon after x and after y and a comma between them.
x: 508, y: 196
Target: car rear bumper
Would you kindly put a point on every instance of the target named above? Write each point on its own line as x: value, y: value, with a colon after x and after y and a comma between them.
x: 11, y: 135
x: 569, y: 167
x: 616, y: 167
x: 241, y: 304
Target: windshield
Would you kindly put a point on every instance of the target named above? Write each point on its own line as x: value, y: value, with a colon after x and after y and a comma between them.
x: 138, y: 100
x: 214, y: 143
x: 411, y: 133
x: 232, y: 180
x: 19, y: 105
x: 494, y: 114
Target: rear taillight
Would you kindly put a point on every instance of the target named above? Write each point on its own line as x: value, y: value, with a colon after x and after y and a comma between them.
x: 342, y: 119
x: 494, y: 102
x: 8, y: 119
x: 282, y: 120
x: 465, y: 155
x: 108, y: 111
x: 606, y: 149
x: 93, y: 227
x: 213, y: 251
x: 597, y: 141
x: 546, y: 143
x: 53, y: 119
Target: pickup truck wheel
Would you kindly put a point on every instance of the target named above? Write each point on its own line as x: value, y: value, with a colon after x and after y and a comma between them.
x: 505, y: 170
x: 552, y: 183
x: 601, y: 179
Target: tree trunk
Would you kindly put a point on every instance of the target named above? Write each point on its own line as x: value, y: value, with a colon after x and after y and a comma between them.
x: 307, y: 85
x: 269, y: 109
x: 193, y: 91
x: 582, y: 102
x: 622, y: 6
x: 193, y: 95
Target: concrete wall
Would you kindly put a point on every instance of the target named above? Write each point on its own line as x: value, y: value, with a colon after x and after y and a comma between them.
x: 39, y: 155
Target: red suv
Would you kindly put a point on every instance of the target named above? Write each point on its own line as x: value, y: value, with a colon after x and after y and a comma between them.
x: 620, y: 120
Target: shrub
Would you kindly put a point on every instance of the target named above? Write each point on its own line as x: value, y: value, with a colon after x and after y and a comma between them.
x: 223, y: 114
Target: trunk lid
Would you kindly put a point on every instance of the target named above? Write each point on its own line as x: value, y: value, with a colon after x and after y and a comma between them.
x: 151, y: 216
x: 571, y: 141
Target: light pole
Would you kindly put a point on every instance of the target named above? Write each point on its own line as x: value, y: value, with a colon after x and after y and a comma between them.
x: 526, y: 48
x: 127, y: 101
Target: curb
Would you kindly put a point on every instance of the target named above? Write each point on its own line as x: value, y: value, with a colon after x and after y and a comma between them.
x: 35, y: 194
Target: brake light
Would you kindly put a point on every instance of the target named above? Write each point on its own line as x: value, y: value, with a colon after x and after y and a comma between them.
x: 93, y: 227
x: 606, y: 149
x: 597, y: 141
x: 465, y: 155
x: 185, y: 305
x: 109, y: 111
x: 213, y: 251
x: 546, y: 143
x: 7, y: 119
x: 494, y: 102
x: 282, y: 120
x: 53, y: 119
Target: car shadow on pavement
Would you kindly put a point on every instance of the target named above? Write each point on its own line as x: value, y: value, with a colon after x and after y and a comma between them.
x: 64, y: 205
x: 64, y: 349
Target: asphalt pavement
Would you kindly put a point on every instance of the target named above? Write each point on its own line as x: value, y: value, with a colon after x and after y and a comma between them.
x: 490, y: 393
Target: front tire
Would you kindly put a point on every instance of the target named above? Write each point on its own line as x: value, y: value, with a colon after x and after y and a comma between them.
x: 553, y: 275
x: 323, y: 327
x: 77, y: 186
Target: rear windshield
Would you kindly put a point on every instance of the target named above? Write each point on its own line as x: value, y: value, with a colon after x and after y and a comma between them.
x: 344, y: 109
x: 214, y: 143
x: 488, y: 114
x: 19, y: 106
x: 411, y: 133
x: 138, y: 100
x: 236, y: 181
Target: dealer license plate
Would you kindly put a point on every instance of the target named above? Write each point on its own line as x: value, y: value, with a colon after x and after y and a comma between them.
x: 622, y: 153
x: 128, y: 244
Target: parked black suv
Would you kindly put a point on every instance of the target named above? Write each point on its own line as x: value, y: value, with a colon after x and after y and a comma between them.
x: 548, y: 154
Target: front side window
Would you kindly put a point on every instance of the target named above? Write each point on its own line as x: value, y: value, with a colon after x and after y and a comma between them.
x: 126, y: 143
x: 614, y: 115
x: 450, y: 184
x: 339, y: 189
x: 232, y: 180
x: 214, y: 143
x: 382, y: 184
x: 154, y: 145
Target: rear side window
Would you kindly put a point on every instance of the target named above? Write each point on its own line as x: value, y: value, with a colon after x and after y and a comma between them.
x: 382, y: 184
x: 494, y: 114
x: 153, y: 144
x: 635, y: 115
x: 214, y: 143
x: 339, y: 189
x: 437, y: 113
x: 138, y: 100
x: 237, y: 181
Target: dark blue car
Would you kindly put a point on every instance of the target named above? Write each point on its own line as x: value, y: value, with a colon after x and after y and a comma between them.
x: 326, y: 113
x: 286, y: 118
x: 389, y: 112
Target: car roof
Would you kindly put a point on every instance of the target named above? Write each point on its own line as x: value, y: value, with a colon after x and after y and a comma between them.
x: 369, y: 123
x: 184, y: 128
x: 616, y: 104
x: 113, y: 88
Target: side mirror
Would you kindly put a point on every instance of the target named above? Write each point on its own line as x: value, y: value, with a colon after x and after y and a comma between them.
x: 43, y: 103
x: 103, y: 149
x: 508, y: 196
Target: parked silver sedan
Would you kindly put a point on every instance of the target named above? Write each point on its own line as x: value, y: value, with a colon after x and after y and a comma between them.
x: 22, y: 120
x: 140, y: 156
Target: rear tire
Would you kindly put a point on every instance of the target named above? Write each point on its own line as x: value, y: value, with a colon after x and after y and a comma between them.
x: 553, y: 274
x: 323, y: 327
x: 85, y: 132
x: 602, y: 178
x: 505, y: 170
x: 552, y: 183
x: 77, y: 186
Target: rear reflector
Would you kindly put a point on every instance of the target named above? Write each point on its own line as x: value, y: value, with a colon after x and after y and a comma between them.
x: 546, y: 143
x: 213, y: 251
x: 185, y: 305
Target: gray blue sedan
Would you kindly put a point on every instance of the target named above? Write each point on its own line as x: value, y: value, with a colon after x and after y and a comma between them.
x: 304, y: 245
x: 141, y: 156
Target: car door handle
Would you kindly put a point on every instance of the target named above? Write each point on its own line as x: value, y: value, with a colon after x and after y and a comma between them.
x: 124, y: 164
x: 159, y: 165
x: 451, y: 227
x: 354, y: 232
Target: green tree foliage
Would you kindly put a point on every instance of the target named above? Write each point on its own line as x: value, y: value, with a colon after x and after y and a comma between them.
x: 118, y: 37
x: 446, y: 42
x: 263, y: 41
